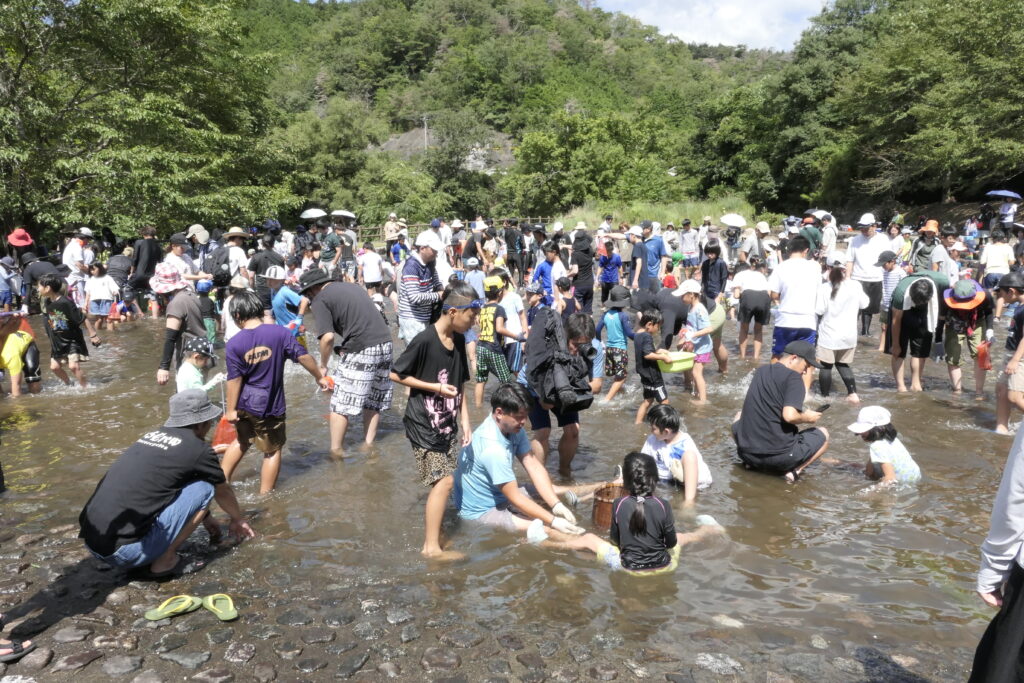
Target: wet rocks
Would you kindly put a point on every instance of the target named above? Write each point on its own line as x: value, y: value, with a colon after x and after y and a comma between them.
x: 389, y: 669
x: 499, y: 667
x: 565, y: 676
x: 367, y: 630
x: 219, y: 636
x: 288, y: 649
x: 720, y: 664
x: 28, y: 539
x: 309, y: 665
x: 36, y: 660
x: 531, y: 660
x: 117, y: 598
x: 409, y: 633
x: 148, y: 676
x: 603, y: 672
x: 398, y: 616
x: 318, y: 635
x: 510, y: 642
x: 546, y: 648
x: 607, y: 641
x: 214, y: 676
x: 265, y: 632
x: 339, y: 618
x: 370, y: 606
x: 804, y: 665
x: 120, y: 665
x: 581, y: 653
x: 187, y: 660
x: 71, y: 634
x: 443, y: 620
x: 819, y: 643
x: 264, y: 673
x: 726, y: 621
x: 342, y: 647
x: 294, y: 617
x: 77, y: 661
x: 847, y: 665
x: 461, y: 638
x: 169, y: 642
x: 351, y: 664
x: 239, y: 653
x: 440, y: 659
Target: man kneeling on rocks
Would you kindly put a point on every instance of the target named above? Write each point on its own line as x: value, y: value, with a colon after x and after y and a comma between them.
x: 157, y: 493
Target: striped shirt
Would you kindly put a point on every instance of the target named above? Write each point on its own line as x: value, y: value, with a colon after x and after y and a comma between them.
x: 890, y: 279
x: 419, y: 290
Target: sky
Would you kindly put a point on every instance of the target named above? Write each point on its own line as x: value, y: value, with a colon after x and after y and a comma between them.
x: 754, y: 23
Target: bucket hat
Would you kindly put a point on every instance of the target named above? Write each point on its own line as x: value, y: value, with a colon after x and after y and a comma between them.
x: 619, y: 297
x: 28, y: 258
x: 965, y: 295
x: 19, y: 237
x: 312, y: 278
x: 166, y: 279
x: 235, y: 231
x: 190, y: 407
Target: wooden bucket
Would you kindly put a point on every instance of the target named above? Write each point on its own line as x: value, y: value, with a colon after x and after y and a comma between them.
x: 603, y: 500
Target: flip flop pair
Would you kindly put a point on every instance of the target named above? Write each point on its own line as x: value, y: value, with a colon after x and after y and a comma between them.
x: 220, y: 604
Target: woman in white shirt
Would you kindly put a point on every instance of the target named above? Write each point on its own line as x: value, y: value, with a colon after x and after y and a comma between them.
x: 750, y: 286
x: 179, y: 257
x: 839, y: 307
x: 995, y: 260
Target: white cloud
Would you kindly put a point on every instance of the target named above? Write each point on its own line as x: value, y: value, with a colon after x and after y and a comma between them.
x: 754, y: 23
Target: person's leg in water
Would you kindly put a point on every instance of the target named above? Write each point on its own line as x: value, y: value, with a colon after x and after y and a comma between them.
x: 865, y: 324
x: 898, y: 375
x: 641, y: 412
x: 795, y: 474
x: 742, y: 340
x: 338, y: 426
x: 758, y: 340
x: 540, y: 444
x: 233, y: 455
x: 1005, y: 401
x: 57, y: 369
x: 269, y: 471
x: 437, y: 502
x: 846, y: 374
x: 700, y: 387
x: 825, y: 378
x: 916, y: 373
x: 371, y: 422
x: 76, y: 369
x: 721, y: 353
x: 567, y: 446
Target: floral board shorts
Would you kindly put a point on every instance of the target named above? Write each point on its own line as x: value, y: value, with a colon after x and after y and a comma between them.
x: 434, y: 466
x: 616, y: 363
x: 362, y: 381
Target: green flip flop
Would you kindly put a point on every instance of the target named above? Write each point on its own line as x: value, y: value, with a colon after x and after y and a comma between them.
x: 221, y: 605
x: 179, y: 604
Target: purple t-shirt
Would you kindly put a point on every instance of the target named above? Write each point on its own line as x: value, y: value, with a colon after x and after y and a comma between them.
x: 257, y: 355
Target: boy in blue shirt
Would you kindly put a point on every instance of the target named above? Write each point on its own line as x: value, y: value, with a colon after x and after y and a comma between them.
x: 399, y: 250
x: 616, y: 359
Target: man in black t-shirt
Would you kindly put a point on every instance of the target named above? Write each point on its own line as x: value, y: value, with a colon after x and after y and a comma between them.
x: 581, y: 268
x: 158, y: 492
x: 259, y: 264
x: 766, y: 430
x: 145, y: 257
x: 515, y: 252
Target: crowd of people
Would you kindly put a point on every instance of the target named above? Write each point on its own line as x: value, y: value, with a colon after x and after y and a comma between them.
x: 459, y: 302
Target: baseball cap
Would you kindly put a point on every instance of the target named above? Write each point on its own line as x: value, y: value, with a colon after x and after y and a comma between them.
x: 635, y: 230
x: 866, y: 220
x: 429, y: 239
x: 494, y: 282
x: 646, y: 225
x: 274, y: 273
x: 472, y: 262
x: 885, y: 257
x: 803, y: 350
x: 179, y: 238
x: 869, y: 418
x: 199, y: 345
x: 436, y: 223
x: 763, y: 227
x: 688, y: 287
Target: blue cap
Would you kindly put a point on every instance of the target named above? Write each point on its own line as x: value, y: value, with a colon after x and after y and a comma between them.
x: 204, y: 286
x: 436, y: 223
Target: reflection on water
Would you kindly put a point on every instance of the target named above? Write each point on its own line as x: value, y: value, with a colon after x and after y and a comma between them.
x: 819, y: 557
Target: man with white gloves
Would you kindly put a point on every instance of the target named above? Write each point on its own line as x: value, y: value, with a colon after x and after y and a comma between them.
x: 486, y: 490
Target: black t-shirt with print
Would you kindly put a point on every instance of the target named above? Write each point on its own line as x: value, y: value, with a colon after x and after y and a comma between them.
x: 489, y: 337
x: 141, y: 483
x: 431, y: 420
x: 64, y: 327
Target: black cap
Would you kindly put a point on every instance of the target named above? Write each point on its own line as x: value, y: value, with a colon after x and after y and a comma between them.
x: 885, y: 257
x: 179, y: 238
x: 646, y: 225
x: 804, y: 350
x: 686, y: 221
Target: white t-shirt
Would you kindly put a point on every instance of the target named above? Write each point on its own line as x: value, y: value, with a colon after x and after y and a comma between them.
x: 230, y: 328
x: 370, y: 262
x: 837, y: 329
x: 236, y: 260
x: 74, y: 254
x: 669, y: 237
x: 796, y: 280
x: 102, y: 289
x: 557, y: 271
x: 750, y: 281
x: 688, y: 242
x: 663, y: 453
x: 1007, y: 210
x: 863, y: 252
x: 513, y: 305
x: 997, y: 257
x: 829, y: 235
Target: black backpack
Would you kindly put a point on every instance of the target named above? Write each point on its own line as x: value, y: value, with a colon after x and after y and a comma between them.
x: 219, y: 266
x: 556, y: 376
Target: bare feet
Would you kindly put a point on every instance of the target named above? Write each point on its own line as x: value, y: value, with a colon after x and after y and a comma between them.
x: 699, y: 403
x: 443, y: 555
x: 1003, y: 430
x: 854, y: 399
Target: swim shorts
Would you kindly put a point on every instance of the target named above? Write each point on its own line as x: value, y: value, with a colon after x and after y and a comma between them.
x: 268, y: 433
x: 362, y: 381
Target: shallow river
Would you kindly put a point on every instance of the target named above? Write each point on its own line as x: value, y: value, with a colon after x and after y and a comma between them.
x: 814, y: 581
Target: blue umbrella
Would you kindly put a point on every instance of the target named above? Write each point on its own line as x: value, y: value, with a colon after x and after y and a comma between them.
x: 1003, y: 193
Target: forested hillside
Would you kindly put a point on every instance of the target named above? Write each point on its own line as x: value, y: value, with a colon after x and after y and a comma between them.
x: 117, y: 113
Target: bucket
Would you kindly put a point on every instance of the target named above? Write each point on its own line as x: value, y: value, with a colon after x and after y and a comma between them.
x: 603, y: 500
x: 225, y: 434
x: 681, y: 361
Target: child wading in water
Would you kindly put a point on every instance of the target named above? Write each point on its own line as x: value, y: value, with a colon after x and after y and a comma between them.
x: 435, y: 367
x: 64, y: 328
x: 698, y: 335
x: 199, y: 356
x: 647, y: 357
x: 616, y: 348
x: 675, y: 453
x: 889, y: 459
x: 644, y: 540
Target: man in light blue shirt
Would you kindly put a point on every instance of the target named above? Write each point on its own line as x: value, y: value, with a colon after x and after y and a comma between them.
x: 655, y: 257
x: 485, y: 481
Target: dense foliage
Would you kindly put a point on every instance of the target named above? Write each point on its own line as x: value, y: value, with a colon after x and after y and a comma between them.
x: 117, y: 113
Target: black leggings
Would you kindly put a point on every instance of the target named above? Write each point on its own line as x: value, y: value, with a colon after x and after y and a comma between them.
x: 865, y: 324
x: 825, y: 378
x: 606, y: 290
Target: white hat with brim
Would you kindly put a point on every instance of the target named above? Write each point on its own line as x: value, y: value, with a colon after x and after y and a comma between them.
x: 688, y: 287
x: 235, y: 231
x: 869, y: 418
x: 958, y: 246
x: 85, y: 232
x: 763, y: 227
x: 312, y: 214
x: 456, y: 224
x: 866, y: 220
x: 239, y: 282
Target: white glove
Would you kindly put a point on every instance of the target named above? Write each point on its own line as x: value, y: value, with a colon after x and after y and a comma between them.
x: 24, y: 309
x: 560, y: 510
x: 220, y: 377
x: 566, y: 527
x: 990, y: 335
x: 535, y: 532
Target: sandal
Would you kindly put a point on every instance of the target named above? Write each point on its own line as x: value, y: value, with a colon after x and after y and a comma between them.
x: 17, y: 650
x: 792, y: 477
x: 181, y: 567
x: 221, y: 605
x: 172, y: 607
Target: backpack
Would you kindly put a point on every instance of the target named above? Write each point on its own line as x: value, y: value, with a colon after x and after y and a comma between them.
x: 556, y: 376
x: 219, y: 265
x: 732, y: 235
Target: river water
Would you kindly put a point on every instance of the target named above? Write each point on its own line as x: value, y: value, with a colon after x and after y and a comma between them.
x: 815, y: 580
